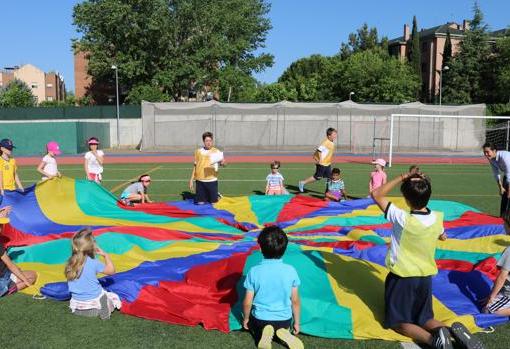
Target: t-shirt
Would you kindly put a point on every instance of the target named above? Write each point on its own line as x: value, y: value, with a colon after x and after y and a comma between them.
x: 326, y: 150
x: 136, y: 188
x: 3, y: 267
x: 87, y: 286
x: 274, y: 180
x: 8, y: 169
x: 504, y: 263
x: 205, y: 170
x: 93, y: 166
x: 377, y: 179
x: 272, y: 281
x: 413, y: 241
x: 335, y: 186
x: 50, y: 165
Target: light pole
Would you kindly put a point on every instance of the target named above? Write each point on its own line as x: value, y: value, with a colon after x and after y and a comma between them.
x: 445, y: 68
x: 114, y: 67
x: 350, y: 95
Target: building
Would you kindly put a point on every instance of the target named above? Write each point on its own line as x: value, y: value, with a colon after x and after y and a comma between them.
x: 432, y: 41
x: 82, y: 79
x: 45, y: 86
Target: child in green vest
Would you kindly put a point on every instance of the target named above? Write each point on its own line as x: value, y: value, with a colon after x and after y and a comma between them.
x: 410, y: 260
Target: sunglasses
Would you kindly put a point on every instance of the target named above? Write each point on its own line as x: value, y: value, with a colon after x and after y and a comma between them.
x: 275, y: 168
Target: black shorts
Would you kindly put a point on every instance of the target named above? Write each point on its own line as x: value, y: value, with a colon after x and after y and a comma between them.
x: 407, y: 300
x: 322, y: 172
x: 256, y: 326
x: 206, y: 192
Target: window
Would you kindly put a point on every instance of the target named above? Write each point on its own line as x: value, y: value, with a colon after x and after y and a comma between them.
x: 49, y: 85
x: 49, y: 98
x: 34, y: 85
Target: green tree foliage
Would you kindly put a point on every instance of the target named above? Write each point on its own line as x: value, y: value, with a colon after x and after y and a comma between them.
x: 174, y: 44
x: 502, y: 64
x: 17, y: 94
x: 364, y: 39
x: 447, y: 52
x: 69, y: 101
x: 463, y: 83
x: 415, y: 55
x: 275, y: 92
x: 146, y: 93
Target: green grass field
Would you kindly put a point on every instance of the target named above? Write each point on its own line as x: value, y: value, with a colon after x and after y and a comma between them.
x: 28, y: 323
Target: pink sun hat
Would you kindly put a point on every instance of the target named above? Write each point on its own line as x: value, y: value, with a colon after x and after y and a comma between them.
x: 53, y: 147
x: 380, y: 162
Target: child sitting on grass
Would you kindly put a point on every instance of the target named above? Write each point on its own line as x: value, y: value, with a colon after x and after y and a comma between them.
x: 335, y: 187
x: 12, y: 278
x: 272, y: 301
x: 88, y: 298
x: 410, y: 260
x: 274, y: 180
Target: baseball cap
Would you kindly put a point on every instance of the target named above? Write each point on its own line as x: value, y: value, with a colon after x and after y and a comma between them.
x: 7, y: 143
x: 380, y: 162
x: 53, y: 147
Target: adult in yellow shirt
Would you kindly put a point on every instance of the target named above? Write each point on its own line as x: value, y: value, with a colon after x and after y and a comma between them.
x: 323, y: 157
x: 205, y: 171
x: 9, y: 178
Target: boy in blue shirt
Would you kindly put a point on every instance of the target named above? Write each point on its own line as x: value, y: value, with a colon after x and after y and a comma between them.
x: 272, y: 300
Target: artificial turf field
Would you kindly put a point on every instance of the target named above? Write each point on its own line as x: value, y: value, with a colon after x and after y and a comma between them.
x: 28, y: 323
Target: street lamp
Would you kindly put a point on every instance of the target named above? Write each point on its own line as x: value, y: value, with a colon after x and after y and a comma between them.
x: 114, y: 67
x: 445, y: 68
x: 350, y: 95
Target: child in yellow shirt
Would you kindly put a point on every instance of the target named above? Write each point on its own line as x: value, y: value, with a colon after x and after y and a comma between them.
x: 9, y: 178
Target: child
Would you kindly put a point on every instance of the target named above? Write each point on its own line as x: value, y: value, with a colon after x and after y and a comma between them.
x: 12, y: 278
x: 410, y: 260
x: 137, y: 191
x: 378, y: 176
x: 94, y: 161
x: 272, y: 300
x: 335, y: 187
x: 323, y: 156
x: 274, y: 180
x: 88, y: 298
x: 414, y: 169
x: 205, y: 171
x: 48, y: 166
x: 9, y: 178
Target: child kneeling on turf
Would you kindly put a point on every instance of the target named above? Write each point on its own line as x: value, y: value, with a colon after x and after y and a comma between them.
x: 272, y: 300
x: 12, y: 278
x: 410, y: 259
x: 88, y: 298
x: 136, y: 192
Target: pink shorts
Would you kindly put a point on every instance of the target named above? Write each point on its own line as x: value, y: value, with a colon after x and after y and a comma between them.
x: 96, y: 177
x: 275, y: 191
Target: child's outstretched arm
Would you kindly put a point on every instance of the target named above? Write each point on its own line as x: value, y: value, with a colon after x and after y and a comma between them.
x: 192, y: 178
x: 109, y: 268
x: 498, y: 284
x: 247, y: 304
x: 379, y: 194
x: 40, y: 169
x: 18, y: 181
x: 267, y: 187
x: 296, y: 309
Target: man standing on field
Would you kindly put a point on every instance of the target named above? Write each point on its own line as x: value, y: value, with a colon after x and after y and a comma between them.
x: 500, y: 162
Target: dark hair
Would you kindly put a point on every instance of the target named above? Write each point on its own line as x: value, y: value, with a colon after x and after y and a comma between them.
x: 414, y: 167
x: 335, y: 170
x: 207, y: 134
x: 273, y: 242
x: 329, y: 131
x: 140, y: 178
x: 489, y: 145
x: 275, y: 163
x: 416, y: 190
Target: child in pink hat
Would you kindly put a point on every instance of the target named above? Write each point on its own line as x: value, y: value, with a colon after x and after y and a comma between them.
x: 94, y: 161
x: 378, y: 176
x: 48, y: 166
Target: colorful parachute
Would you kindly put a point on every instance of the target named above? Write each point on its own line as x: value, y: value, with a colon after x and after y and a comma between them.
x: 184, y: 264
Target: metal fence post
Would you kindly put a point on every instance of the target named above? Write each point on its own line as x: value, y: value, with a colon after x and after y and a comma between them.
x: 507, y: 133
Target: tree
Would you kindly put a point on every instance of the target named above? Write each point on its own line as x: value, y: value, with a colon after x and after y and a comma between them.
x: 502, y: 64
x: 146, y: 93
x: 173, y: 44
x: 364, y: 39
x: 275, y: 92
x: 17, y: 94
x: 415, y: 55
x: 447, y: 52
x: 463, y: 83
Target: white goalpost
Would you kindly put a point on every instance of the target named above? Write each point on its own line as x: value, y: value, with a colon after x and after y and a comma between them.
x: 446, y: 135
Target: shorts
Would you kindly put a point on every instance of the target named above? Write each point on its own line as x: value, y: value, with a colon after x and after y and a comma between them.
x: 256, y: 326
x: 96, y: 177
x: 407, y: 300
x: 8, y: 284
x: 124, y: 195
x: 501, y: 302
x: 336, y: 194
x: 206, y: 192
x: 322, y: 171
x: 276, y: 191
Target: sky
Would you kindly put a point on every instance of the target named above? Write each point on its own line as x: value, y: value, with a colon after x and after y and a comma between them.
x: 40, y: 32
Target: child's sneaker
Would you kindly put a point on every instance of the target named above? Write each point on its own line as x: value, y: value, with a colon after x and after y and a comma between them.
x: 301, y: 186
x: 442, y: 339
x: 266, y: 338
x: 464, y: 337
x: 289, y: 339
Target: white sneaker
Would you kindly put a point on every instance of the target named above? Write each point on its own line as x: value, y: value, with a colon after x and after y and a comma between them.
x: 301, y: 186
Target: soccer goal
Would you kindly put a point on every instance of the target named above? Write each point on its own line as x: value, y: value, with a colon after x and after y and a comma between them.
x: 445, y: 135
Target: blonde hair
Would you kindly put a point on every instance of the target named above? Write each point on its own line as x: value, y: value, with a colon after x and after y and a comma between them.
x: 83, y: 245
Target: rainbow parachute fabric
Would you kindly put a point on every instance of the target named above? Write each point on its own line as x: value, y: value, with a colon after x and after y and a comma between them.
x: 184, y: 264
